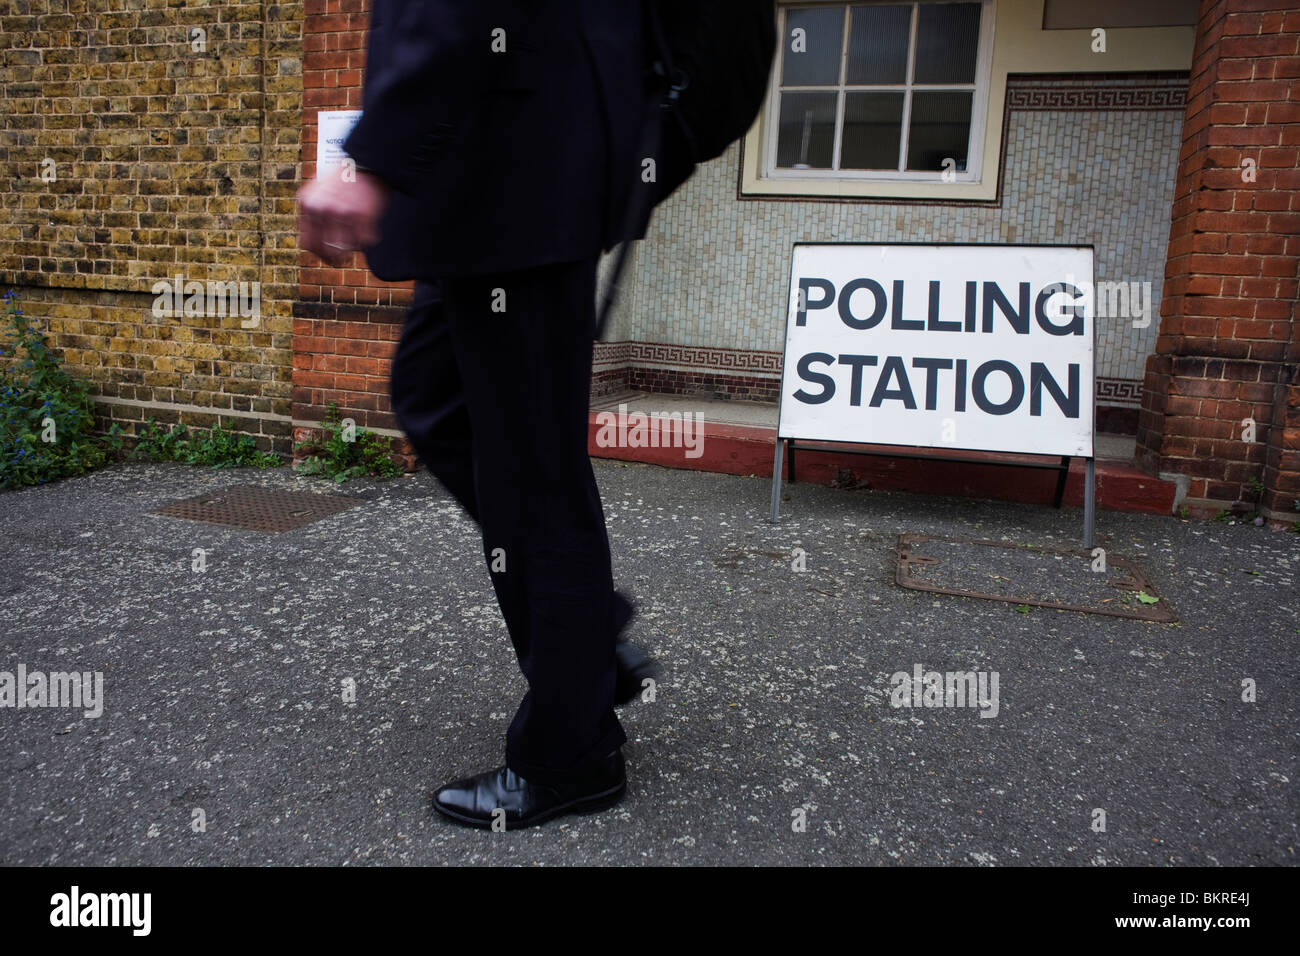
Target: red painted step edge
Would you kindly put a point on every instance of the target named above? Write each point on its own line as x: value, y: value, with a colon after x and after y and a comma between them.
x: 748, y: 449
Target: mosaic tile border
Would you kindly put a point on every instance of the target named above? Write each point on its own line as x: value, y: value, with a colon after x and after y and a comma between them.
x: 705, y: 358
x: 1096, y: 98
x: 1119, y: 391
x: 674, y: 368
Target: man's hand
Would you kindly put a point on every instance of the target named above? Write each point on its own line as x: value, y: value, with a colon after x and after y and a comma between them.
x: 338, y: 215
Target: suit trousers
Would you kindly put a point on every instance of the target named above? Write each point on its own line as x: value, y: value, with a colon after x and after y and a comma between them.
x: 491, y: 382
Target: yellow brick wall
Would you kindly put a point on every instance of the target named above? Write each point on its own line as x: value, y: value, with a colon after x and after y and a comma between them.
x: 173, y: 153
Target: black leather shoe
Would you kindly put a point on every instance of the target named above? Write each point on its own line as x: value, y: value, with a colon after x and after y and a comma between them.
x: 634, y: 663
x: 476, y: 800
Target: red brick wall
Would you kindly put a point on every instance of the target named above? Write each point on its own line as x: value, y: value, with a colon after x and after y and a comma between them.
x: 1229, y: 341
x: 346, y: 322
x: 747, y: 388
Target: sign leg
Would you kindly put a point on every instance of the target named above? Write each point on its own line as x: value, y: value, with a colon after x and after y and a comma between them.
x: 1089, y: 502
x: 1061, y: 477
x: 776, y: 482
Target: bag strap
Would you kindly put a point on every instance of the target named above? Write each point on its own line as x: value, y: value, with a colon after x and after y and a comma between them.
x: 641, y: 202
x: 637, y: 216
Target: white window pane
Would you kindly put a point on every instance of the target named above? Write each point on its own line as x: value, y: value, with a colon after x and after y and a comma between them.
x: 806, y: 138
x: 812, y: 57
x: 873, y: 123
x: 939, y: 130
x: 947, y: 43
x: 878, y: 38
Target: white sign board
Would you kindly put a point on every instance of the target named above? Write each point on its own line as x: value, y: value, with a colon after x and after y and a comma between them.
x: 332, y: 128
x: 978, y: 347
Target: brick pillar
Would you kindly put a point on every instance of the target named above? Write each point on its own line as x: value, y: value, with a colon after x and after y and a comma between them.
x: 346, y: 323
x: 1229, y: 344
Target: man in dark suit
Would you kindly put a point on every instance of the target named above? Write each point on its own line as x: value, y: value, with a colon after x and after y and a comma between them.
x: 496, y: 155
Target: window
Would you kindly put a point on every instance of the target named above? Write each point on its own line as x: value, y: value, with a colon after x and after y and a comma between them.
x: 880, y: 91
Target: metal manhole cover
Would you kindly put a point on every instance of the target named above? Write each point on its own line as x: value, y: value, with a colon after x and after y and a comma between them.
x: 1027, y: 574
x: 258, y: 509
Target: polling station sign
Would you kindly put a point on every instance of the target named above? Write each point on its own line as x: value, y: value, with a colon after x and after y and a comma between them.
x: 976, y: 347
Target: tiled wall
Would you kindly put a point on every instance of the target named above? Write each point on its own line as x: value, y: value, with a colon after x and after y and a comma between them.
x: 1087, y: 159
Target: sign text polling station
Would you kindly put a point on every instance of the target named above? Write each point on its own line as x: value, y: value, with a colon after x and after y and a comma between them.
x: 978, y: 347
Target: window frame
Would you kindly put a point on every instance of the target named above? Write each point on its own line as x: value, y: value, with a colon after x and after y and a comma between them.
x: 971, y: 176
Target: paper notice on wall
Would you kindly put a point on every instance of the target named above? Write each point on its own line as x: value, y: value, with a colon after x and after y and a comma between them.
x: 333, y: 127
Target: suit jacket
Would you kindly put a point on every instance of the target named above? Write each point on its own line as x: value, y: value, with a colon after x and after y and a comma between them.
x: 508, y: 128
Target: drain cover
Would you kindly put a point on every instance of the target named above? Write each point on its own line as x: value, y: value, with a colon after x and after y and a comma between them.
x: 258, y: 509
x: 1026, y: 574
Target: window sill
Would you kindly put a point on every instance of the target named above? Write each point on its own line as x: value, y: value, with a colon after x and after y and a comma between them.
x: 824, y: 187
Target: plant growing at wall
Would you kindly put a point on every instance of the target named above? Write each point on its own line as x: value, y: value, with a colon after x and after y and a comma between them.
x: 46, y: 414
x: 218, y: 446
x: 344, y: 451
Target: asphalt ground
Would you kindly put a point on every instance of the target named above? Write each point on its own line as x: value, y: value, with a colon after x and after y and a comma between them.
x: 772, y: 738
